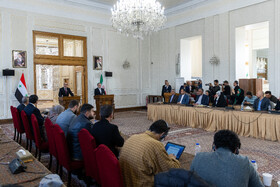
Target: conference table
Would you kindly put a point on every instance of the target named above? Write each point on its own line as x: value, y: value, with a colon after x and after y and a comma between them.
x: 35, y: 170
x: 260, y: 125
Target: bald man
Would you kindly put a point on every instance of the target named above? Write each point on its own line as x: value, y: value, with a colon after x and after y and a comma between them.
x: 262, y: 103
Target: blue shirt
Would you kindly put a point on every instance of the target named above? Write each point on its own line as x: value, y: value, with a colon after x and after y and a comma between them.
x: 251, y: 101
x: 260, y: 104
x: 171, y: 98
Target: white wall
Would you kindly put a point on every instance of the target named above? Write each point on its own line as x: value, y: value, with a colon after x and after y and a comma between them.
x: 130, y: 86
x: 216, y: 22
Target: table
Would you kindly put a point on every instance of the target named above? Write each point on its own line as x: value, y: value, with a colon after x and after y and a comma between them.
x: 154, y: 98
x: 248, y: 124
x: 8, y: 149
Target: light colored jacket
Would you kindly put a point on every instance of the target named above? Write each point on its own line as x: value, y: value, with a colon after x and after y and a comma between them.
x: 222, y: 168
x: 65, y: 119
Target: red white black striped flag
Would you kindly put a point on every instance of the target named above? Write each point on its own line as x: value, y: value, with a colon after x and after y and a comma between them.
x: 21, y: 89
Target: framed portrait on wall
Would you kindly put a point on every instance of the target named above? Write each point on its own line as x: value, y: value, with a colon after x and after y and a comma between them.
x: 19, y: 59
x: 97, y: 62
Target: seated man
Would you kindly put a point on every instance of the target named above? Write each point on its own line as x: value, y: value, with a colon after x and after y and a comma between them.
x: 32, y: 109
x: 143, y: 156
x: 65, y: 119
x: 106, y: 133
x: 79, y: 123
x: 272, y: 98
x: 219, y: 100
x: 99, y: 90
x: 249, y: 99
x: 23, y: 104
x: 183, y: 87
x: 224, y: 167
x: 226, y: 89
x: 201, y: 99
x: 183, y: 98
x: 173, y: 98
x: 189, y: 87
x: 65, y: 91
x: 261, y: 103
x: 55, y: 112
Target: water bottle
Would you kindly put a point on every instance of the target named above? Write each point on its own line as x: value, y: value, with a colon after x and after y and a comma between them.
x: 242, y: 107
x: 269, y: 107
x: 197, y: 148
x: 254, y: 163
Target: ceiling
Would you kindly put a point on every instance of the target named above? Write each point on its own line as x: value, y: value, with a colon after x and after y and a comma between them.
x: 166, y: 3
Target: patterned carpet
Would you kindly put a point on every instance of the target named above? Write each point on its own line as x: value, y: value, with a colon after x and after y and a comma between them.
x: 266, y: 153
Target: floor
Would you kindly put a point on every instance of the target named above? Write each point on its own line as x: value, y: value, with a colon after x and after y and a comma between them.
x: 266, y: 153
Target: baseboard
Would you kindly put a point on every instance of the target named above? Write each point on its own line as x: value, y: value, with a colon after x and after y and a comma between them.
x: 131, y: 109
x: 5, y: 121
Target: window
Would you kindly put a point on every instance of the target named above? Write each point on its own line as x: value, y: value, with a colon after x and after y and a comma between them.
x: 46, y: 45
x: 73, y: 48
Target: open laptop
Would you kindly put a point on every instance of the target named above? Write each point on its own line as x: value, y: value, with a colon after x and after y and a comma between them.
x: 175, y: 149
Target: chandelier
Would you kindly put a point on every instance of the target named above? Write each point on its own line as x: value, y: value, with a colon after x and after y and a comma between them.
x: 138, y: 18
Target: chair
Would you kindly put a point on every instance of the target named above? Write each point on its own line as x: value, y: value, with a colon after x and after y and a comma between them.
x: 63, y: 154
x: 52, y: 149
x: 28, y: 133
x: 14, y: 120
x: 19, y: 127
x: 41, y: 145
x: 108, y: 167
x: 88, y: 145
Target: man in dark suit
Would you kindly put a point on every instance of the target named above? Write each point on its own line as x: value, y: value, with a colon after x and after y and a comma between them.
x: 262, y: 103
x: 201, y: 99
x: 79, y: 123
x: 189, y: 87
x: 166, y: 88
x: 32, y: 109
x: 65, y: 91
x: 271, y: 97
x: 99, y: 90
x: 183, y: 87
x: 173, y: 98
x: 106, y: 133
x: 23, y: 104
x: 183, y: 98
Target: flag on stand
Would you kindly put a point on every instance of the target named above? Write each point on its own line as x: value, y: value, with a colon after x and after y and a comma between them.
x: 101, y: 82
x: 21, y: 89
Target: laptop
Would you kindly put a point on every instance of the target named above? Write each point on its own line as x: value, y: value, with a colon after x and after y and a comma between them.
x: 175, y: 149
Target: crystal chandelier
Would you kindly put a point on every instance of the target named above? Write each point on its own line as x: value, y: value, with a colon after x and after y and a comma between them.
x: 138, y: 18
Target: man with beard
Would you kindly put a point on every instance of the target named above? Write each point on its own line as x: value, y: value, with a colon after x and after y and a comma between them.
x: 106, y: 133
x: 81, y: 122
x: 67, y: 117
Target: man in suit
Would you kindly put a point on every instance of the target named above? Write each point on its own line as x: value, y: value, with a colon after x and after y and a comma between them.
x: 201, y: 99
x: 65, y: 91
x: 183, y: 98
x: 32, y: 109
x: 211, y: 166
x: 173, y: 98
x: 262, y: 103
x: 106, y: 133
x: 183, y: 87
x: 23, y: 104
x: 189, y: 87
x: 79, y: 123
x: 166, y: 88
x: 99, y: 90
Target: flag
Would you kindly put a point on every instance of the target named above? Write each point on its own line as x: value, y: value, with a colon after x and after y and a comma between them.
x: 101, y: 82
x: 21, y: 89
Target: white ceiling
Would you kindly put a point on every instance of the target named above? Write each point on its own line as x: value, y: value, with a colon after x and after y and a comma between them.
x: 166, y: 3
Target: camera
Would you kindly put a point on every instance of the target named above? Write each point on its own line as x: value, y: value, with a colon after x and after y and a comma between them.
x: 207, y: 84
x: 221, y: 84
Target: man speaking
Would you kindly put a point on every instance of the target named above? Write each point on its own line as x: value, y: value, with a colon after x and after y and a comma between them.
x: 65, y: 91
x: 99, y: 90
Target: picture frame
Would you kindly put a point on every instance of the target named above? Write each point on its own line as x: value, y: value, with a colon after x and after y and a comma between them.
x: 97, y: 62
x: 19, y: 59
